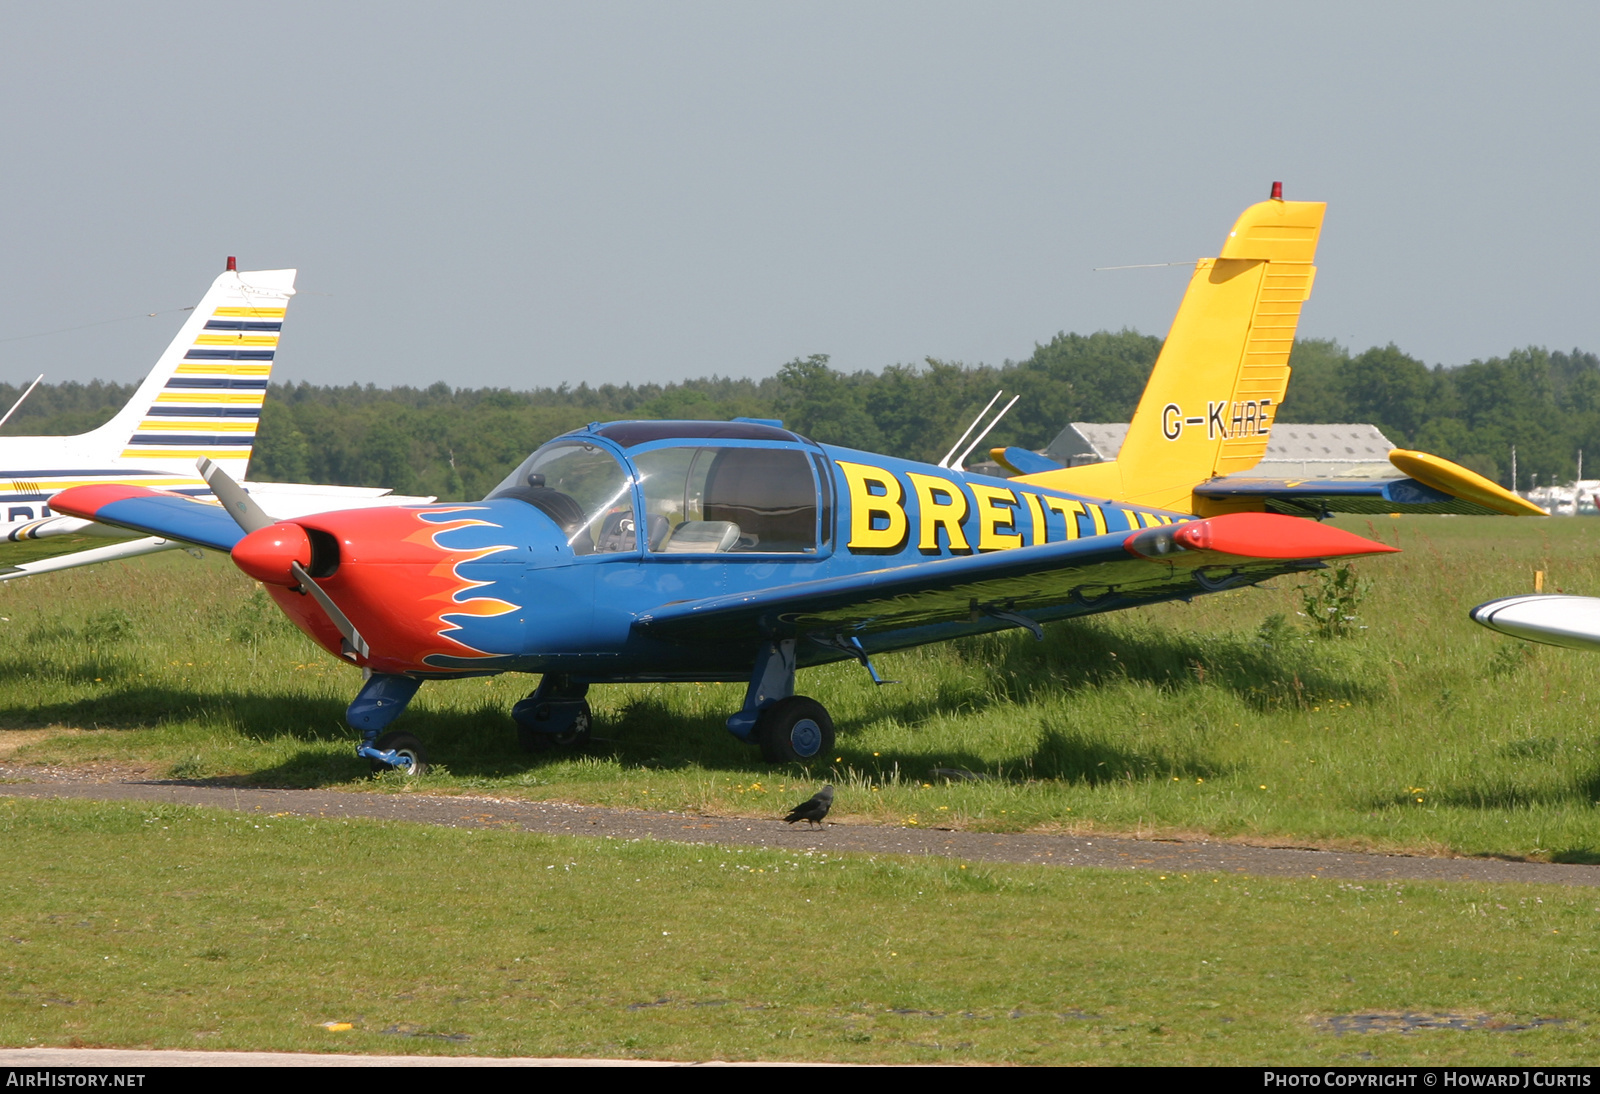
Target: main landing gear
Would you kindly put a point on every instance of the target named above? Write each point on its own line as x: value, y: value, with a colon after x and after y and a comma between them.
x: 555, y: 716
x: 789, y: 728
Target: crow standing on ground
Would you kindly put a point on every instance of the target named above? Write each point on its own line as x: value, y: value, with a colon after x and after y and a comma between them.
x: 814, y: 808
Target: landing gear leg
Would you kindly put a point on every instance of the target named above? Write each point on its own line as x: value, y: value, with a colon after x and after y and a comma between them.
x: 555, y: 716
x: 789, y: 728
x: 772, y: 680
x: 382, y: 699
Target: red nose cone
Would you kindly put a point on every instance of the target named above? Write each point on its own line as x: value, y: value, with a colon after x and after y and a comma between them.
x: 265, y: 554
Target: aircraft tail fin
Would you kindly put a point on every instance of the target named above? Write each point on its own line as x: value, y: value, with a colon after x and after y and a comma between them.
x: 1209, y: 405
x: 204, y: 396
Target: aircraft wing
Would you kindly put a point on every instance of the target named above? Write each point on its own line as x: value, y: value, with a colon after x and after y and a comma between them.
x: 1570, y: 621
x: 182, y: 521
x: 1024, y: 586
x: 132, y: 548
x: 140, y: 509
x: 287, y: 500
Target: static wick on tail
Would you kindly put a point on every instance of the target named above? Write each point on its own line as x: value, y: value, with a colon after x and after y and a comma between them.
x: 1277, y: 195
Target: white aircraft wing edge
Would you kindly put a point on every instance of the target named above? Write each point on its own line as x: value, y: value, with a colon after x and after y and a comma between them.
x: 114, y: 552
x: 1556, y: 620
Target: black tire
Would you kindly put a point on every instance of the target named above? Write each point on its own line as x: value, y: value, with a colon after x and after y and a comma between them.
x: 408, y: 747
x: 532, y: 740
x: 795, y: 730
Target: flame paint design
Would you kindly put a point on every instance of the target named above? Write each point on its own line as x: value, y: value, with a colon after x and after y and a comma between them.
x: 409, y: 590
x: 449, y: 596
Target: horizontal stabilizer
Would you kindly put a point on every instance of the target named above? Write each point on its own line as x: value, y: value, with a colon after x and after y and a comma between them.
x: 153, y: 512
x: 1319, y: 497
x: 1433, y: 485
x: 1454, y: 479
x: 1023, y: 461
x: 1570, y: 621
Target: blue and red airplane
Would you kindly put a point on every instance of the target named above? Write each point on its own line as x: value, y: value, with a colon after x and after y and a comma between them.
x: 743, y: 551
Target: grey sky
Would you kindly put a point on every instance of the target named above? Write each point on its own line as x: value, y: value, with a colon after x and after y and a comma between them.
x: 525, y: 194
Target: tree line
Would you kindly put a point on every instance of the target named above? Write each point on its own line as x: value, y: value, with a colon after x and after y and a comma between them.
x: 458, y: 443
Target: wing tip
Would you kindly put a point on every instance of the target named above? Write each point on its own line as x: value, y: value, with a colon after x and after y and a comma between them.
x: 1254, y: 535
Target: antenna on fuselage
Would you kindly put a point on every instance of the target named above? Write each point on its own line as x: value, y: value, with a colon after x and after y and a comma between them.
x: 948, y: 456
x: 39, y: 377
x: 960, y: 461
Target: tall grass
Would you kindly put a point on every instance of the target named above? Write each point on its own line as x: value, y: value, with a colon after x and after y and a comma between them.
x: 1228, y: 716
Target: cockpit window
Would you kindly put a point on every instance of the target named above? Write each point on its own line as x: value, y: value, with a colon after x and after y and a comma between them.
x: 583, y: 489
x: 740, y: 500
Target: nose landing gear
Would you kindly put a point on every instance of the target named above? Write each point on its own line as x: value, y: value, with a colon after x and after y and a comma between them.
x: 382, y: 699
x: 397, y: 751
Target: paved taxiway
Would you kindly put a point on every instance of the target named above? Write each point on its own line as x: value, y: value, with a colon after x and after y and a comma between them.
x: 557, y: 818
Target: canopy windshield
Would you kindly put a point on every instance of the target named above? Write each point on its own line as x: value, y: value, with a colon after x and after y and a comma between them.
x: 583, y: 489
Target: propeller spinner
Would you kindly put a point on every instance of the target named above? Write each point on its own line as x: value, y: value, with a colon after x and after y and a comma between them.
x: 277, y: 552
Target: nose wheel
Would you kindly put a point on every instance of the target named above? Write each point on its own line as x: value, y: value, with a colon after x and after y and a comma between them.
x: 397, y: 751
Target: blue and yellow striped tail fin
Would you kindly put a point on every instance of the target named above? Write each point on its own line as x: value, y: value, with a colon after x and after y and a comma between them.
x: 204, y: 396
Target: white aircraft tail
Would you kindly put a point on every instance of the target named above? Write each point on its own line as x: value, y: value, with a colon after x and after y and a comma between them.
x: 204, y: 396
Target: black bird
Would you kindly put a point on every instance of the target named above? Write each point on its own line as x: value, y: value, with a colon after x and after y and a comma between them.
x: 814, y: 808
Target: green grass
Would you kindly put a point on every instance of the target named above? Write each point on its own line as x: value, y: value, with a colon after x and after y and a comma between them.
x: 142, y: 925
x: 1422, y: 731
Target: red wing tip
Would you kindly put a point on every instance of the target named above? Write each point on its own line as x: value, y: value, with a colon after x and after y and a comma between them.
x: 1256, y: 535
x: 86, y: 501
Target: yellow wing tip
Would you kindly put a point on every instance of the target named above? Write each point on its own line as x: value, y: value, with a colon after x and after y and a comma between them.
x: 998, y: 455
x: 1458, y: 482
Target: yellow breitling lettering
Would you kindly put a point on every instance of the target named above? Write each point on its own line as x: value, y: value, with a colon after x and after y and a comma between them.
x: 868, y: 509
x: 1070, y: 509
x: 1036, y: 522
x: 935, y: 513
x: 1098, y: 515
x: 993, y: 515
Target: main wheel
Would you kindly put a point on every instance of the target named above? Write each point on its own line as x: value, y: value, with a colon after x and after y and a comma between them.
x: 414, y: 761
x: 576, y: 735
x: 794, y: 730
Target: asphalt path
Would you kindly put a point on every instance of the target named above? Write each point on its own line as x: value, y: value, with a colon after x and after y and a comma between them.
x: 560, y: 818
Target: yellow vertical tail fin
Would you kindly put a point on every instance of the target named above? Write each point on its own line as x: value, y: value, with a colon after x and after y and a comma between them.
x: 1209, y: 405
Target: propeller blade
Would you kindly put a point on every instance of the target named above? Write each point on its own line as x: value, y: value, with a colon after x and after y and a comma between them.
x: 251, y: 517
x: 354, y: 643
x: 240, y: 506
